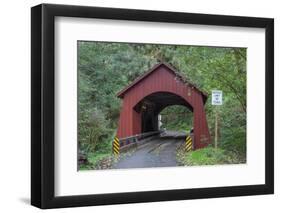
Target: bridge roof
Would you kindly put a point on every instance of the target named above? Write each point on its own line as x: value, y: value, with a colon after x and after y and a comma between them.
x: 153, y: 69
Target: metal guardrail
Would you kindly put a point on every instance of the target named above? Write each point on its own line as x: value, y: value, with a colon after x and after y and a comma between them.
x: 136, y: 138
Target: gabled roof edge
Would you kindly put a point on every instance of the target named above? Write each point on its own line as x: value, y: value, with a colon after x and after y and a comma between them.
x: 121, y: 93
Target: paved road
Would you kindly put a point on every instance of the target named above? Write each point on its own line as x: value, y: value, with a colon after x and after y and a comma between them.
x: 160, y: 152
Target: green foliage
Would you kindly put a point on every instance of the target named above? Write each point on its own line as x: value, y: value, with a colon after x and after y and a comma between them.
x: 93, y: 128
x: 177, y: 118
x: 97, y: 159
x: 210, y: 156
x: 106, y: 68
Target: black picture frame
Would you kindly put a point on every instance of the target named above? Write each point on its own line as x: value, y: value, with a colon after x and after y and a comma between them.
x: 43, y: 102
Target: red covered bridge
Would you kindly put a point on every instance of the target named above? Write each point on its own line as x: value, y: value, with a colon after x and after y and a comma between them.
x: 149, y: 94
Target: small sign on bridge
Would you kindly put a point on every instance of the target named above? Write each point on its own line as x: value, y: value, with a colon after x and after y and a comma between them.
x: 216, y: 97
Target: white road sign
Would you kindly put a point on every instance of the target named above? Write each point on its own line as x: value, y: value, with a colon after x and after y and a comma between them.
x: 216, y: 97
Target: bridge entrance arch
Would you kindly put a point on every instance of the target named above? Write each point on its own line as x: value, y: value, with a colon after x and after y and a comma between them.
x: 149, y: 94
x: 151, y: 106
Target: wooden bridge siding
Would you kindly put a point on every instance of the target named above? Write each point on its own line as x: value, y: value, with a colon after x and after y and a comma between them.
x: 161, y: 81
x: 137, y: 122
x: 201, y: 131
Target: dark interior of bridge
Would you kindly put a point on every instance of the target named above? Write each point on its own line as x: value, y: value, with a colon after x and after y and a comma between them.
x: 153, y: 104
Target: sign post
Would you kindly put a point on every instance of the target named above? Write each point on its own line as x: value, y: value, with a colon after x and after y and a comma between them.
x: 216, y: 101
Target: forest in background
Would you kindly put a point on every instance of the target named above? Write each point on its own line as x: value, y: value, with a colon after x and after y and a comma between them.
x: 106, y: 68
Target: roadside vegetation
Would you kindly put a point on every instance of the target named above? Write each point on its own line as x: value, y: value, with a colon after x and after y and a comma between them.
x: 209, y: 156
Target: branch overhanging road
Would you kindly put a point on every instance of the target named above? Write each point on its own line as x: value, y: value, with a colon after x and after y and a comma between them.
x: 159, y: 152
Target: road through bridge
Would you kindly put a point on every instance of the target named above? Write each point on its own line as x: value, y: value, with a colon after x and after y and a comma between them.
x: 158, y: 152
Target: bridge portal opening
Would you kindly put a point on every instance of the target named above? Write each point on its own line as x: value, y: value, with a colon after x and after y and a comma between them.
x: 154, y: 105
x: 176, y: 118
